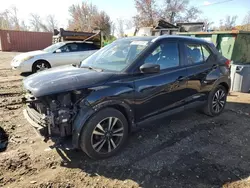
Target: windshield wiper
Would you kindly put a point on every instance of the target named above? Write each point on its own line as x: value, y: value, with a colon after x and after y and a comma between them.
x: 92, y: 68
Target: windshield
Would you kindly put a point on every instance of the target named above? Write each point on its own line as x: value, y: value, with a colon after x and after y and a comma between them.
x: 117, y: 55
x: 53, y: 47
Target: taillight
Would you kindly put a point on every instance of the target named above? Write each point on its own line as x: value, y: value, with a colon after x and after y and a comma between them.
x: 227, y: 63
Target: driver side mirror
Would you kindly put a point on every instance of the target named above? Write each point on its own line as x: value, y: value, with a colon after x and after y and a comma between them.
x: 148, y: 68
x: 58, y: 51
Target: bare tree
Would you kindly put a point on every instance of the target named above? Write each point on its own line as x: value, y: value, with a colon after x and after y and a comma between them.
x: 180, y: 11
x: 38, y: 25
x: 35, y: 22
x: 82, y: 17
x: 148, y: 13
x: 113, y: 28
x: 246, y: 22
x: 136, y: 20
x: 51, y: 23
x: 228, y: 23
x: 86, y: 17
x: 207, y: 23
x: 221, y: 24
x: 13, y: 17
x: 23, y: 26
x: 5, y: 20
x: 9, y: 19
x: 102, y: 22
x: 128, y: 24
x: 191, y: 14
x: 120, y: 27
x: 173, y: 9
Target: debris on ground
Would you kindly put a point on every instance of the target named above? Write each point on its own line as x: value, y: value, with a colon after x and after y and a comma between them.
x: 3, y: 140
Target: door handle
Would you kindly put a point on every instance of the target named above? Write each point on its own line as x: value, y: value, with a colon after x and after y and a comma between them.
x: 180, y: 78
x: 215, y: 66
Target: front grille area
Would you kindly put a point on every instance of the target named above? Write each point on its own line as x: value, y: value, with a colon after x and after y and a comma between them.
x: 37, y: 117
x: 39, y: 107
x: 37, y: 120
x: 35, y: 113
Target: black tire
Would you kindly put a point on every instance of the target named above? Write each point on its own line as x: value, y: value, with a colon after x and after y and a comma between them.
x: 40, y: 63
x: 209, y: 109
x: 87, y: 134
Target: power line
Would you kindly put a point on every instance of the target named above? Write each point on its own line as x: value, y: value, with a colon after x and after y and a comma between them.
x: 216, y: 3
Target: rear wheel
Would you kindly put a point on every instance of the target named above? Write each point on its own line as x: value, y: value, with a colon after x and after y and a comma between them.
x: 40, y: 66
x: 104, y: 134
x: 216, y: 101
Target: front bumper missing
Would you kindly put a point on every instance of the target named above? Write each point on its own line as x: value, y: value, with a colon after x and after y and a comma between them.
x: 42, y: 131
x: 38, y: 121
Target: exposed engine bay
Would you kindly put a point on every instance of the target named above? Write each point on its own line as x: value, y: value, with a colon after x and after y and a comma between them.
x: 53, y: 115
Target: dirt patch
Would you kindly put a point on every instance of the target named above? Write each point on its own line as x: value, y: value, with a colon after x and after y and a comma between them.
x: 190, y: 150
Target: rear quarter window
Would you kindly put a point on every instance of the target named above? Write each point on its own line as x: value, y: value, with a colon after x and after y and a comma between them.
x: 206, y: 53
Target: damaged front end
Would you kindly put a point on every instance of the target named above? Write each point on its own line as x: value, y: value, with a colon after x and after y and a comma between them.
x: 52, y: 116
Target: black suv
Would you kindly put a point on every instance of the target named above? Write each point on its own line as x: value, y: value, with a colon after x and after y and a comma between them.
x: 124, y: 85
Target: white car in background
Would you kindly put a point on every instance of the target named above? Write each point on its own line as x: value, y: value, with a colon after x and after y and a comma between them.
x: 62, y: 53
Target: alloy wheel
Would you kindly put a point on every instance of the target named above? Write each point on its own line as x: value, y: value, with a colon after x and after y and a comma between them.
x: 219, y: 101
x: 107, y: 135
x: 41, y: 67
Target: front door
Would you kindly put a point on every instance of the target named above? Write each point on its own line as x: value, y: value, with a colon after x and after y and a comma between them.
x: 69, y: 54
x: 163, y: 92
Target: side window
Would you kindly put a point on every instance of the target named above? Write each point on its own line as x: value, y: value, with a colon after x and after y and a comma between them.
x: 64, y: 48
x: 206, y: 53
x: 194, y: 53
x: 86, y: 47
x: 71, y: 47
x: 166, y: 55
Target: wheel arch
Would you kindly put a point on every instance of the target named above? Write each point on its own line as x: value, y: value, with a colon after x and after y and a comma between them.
x: 224, y: 84
x: 87, y: 112
x: 126, y: 112
x: 223, y: 81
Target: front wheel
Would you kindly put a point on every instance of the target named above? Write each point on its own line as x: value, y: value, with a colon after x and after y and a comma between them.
x: 40, y: 66
x: 216, y: 101
x: 104, y: 134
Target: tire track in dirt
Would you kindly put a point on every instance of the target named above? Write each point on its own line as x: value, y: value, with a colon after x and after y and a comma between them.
x: 11, y: 79
x: 10, y: 94
x: 5, y: 102
x: 11, y: 84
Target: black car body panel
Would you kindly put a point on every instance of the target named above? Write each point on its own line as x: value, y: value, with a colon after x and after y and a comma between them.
x: 63, y: 79
x: 77, y: 93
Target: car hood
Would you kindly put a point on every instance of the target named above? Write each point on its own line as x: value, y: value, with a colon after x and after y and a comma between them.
x: 62, y: 79
x: 32, y: 53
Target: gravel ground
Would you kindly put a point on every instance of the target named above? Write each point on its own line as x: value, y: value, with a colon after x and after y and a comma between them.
x: 190, y: 150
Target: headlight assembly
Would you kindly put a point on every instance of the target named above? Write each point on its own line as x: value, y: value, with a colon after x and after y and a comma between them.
x: 26, y: 58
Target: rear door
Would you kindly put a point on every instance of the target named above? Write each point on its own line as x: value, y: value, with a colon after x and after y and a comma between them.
x: 163, y: 92
x: 200, y: 63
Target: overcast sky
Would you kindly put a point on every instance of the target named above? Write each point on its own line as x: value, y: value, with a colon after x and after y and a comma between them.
x: 125, y: 9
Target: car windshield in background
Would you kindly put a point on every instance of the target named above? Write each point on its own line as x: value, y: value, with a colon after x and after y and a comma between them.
x: 53, y: 47
x: 116, y: 56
